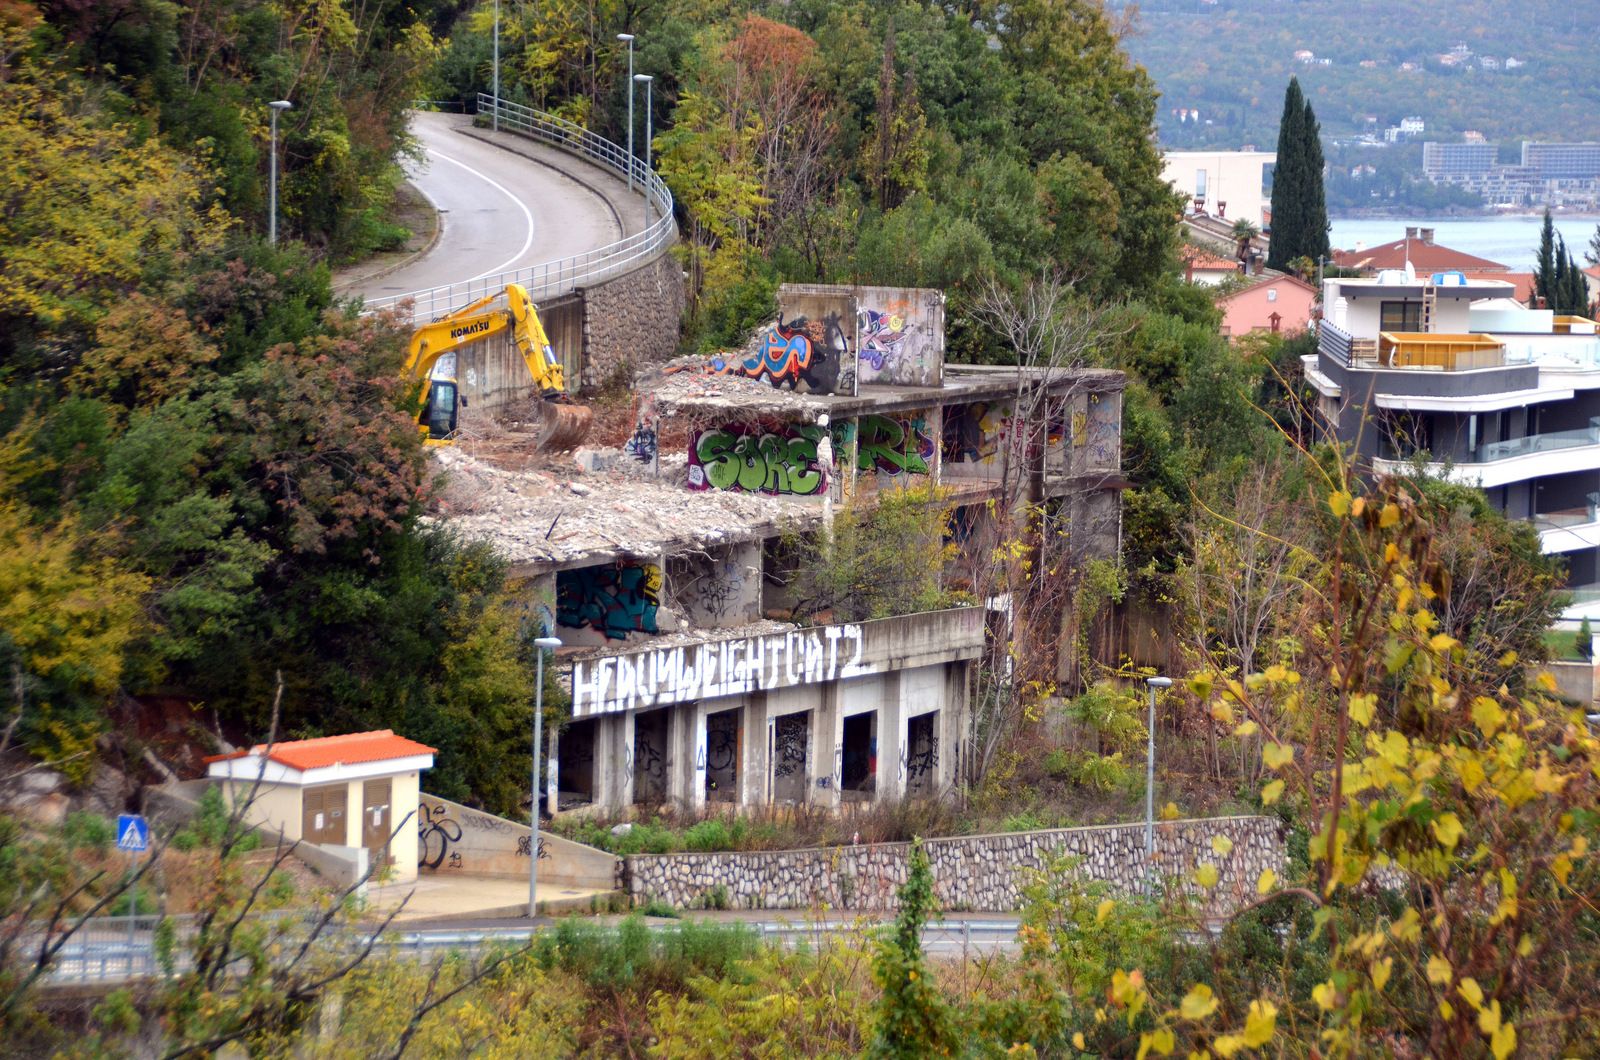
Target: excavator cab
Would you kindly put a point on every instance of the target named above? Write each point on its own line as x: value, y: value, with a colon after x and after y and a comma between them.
x: 563, y: 424
x: 438, y: 418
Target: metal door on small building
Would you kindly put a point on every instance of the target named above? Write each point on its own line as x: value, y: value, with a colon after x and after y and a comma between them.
x: 375, y: 819
x: 322, y: 814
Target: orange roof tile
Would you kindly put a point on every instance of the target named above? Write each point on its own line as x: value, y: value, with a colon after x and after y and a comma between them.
x: 1424, y: 257
x: 349, y: 749
x: 1201, y: 258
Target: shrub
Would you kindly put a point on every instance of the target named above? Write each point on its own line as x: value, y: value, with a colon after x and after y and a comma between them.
x: 88, y: 830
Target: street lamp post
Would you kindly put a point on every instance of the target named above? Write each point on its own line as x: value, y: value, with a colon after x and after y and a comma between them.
x: 543, y: 644
x: 495, y: 118
x: 1150, y: 773
x: 628, y: 38
x: 272, y: 181
x: 648, y: 134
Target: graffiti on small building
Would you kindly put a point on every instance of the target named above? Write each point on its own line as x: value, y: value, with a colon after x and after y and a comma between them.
x: 615, y: 599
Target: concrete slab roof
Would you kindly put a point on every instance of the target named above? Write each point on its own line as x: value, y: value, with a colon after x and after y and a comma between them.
x: 683, y: 388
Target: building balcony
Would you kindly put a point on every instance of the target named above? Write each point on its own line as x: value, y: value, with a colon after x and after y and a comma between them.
x: 1572, y: 530
x: 1516, y: 460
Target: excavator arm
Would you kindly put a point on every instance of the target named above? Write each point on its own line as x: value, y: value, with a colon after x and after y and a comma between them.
x: 563, y: 424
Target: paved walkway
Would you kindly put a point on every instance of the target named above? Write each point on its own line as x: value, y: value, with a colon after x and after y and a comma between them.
x: 449, y: 897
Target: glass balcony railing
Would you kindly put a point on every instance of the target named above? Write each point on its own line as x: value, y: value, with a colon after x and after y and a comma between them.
x: 1538, y: 443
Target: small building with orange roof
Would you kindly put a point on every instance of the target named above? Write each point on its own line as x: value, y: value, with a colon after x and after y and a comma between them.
x: 357, y: 790
x: 1206, y: 268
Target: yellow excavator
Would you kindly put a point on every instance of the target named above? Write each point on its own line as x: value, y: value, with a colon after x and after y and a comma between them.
x: 563, y: 425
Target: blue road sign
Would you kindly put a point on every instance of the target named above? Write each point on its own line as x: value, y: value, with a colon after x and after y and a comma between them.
x: 133, y: 833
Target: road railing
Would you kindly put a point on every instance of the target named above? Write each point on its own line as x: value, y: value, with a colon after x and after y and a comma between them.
x: 113, y: 950
x: 550, y: 279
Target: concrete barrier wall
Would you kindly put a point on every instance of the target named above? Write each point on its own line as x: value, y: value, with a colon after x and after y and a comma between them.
x: 453, y: 838
x: 631, y: 320
x: 1575, y: 680
x: 984, y: 873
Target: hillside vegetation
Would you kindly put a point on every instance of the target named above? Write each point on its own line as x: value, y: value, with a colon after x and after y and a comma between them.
x: 1231, y: 59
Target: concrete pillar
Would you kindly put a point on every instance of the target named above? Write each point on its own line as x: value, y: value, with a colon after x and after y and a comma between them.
x: 686, y: 756
x: 827, y: 731
x: 754, y: 771
x: 613, y: 761
x: 891, y: 740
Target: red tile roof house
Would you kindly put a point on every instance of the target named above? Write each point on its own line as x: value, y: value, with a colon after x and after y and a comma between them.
x: 1275, y: 303
x: 1419, y: 249
x: 357, y: 790
x: 1203, y: 267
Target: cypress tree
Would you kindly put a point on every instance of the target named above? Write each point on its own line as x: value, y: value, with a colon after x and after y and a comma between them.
x: 1299, y: 205
x: 1558, y: 279
x: 1577, y: 290
x: 1288, y: 182
x: 1544, y: 272
x: 1314, y: 226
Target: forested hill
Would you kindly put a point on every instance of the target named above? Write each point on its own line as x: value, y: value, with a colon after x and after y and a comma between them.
x: 1231, y: 58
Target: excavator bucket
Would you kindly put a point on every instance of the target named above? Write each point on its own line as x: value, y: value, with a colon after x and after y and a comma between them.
x: 563, y: 426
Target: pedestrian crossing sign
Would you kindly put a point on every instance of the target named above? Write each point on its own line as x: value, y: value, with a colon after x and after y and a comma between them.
x: 133, y: 833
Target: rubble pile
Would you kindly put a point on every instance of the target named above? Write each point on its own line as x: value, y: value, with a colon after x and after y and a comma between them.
x: 553, y: 514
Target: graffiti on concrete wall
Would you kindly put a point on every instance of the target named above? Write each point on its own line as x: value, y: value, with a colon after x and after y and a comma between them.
x: 1103, y: 432
x: 790, y: 459
x: 883, y: 334
x: 974, y: 434
x: 901, y: 335
x: 615, y: 600
x: 790, y: 736
x: 715, y: 595
x: 644, y: 444
x: 662, y: 676
x: 437, y: 832
x: 894, y: 446
x: 755, y: 459
x: 802, y: 354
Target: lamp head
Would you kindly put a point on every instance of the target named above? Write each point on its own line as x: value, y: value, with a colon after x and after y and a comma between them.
x: 280, y: 104
x: 626, y: 37
x: 1158, y: 682
x: 644, y: 79
x: 547, y: 643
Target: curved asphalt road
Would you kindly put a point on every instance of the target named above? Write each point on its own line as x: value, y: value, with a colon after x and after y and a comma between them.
x: 498, y: 211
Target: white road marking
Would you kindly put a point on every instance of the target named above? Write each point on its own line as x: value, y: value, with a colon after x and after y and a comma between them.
x: 527, y: 214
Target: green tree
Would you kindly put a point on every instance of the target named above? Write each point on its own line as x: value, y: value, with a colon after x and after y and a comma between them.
x: 912, y: 1019
x: 1299, y: 205
x: 1546, y: 263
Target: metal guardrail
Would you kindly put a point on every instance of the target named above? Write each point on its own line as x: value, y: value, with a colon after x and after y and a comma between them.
x: 553, y: 278
x: 107, y: 951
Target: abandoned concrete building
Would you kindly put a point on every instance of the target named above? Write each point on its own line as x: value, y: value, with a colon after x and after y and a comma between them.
x: 659, y: 562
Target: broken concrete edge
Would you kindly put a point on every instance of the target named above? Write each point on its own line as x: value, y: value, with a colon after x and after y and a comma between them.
x: 962, y: 384
x: 353, y: 277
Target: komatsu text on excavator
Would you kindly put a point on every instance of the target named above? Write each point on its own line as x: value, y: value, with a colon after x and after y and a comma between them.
x: 563, y: 424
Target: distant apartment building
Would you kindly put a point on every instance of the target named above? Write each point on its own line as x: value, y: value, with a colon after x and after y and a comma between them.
x: 1449, y: 370
x: 1548, y: 161
x: 1455, y: 163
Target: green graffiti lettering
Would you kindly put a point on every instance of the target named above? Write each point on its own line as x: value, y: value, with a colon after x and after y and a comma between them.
x: 715, y: 452
x: 886, y: 445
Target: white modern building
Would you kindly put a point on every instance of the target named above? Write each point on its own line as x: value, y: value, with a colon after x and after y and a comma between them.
x: 1487, y: 392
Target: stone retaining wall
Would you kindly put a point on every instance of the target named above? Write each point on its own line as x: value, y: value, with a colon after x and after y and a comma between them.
x: 983, y: 873
x: 632, y: 319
